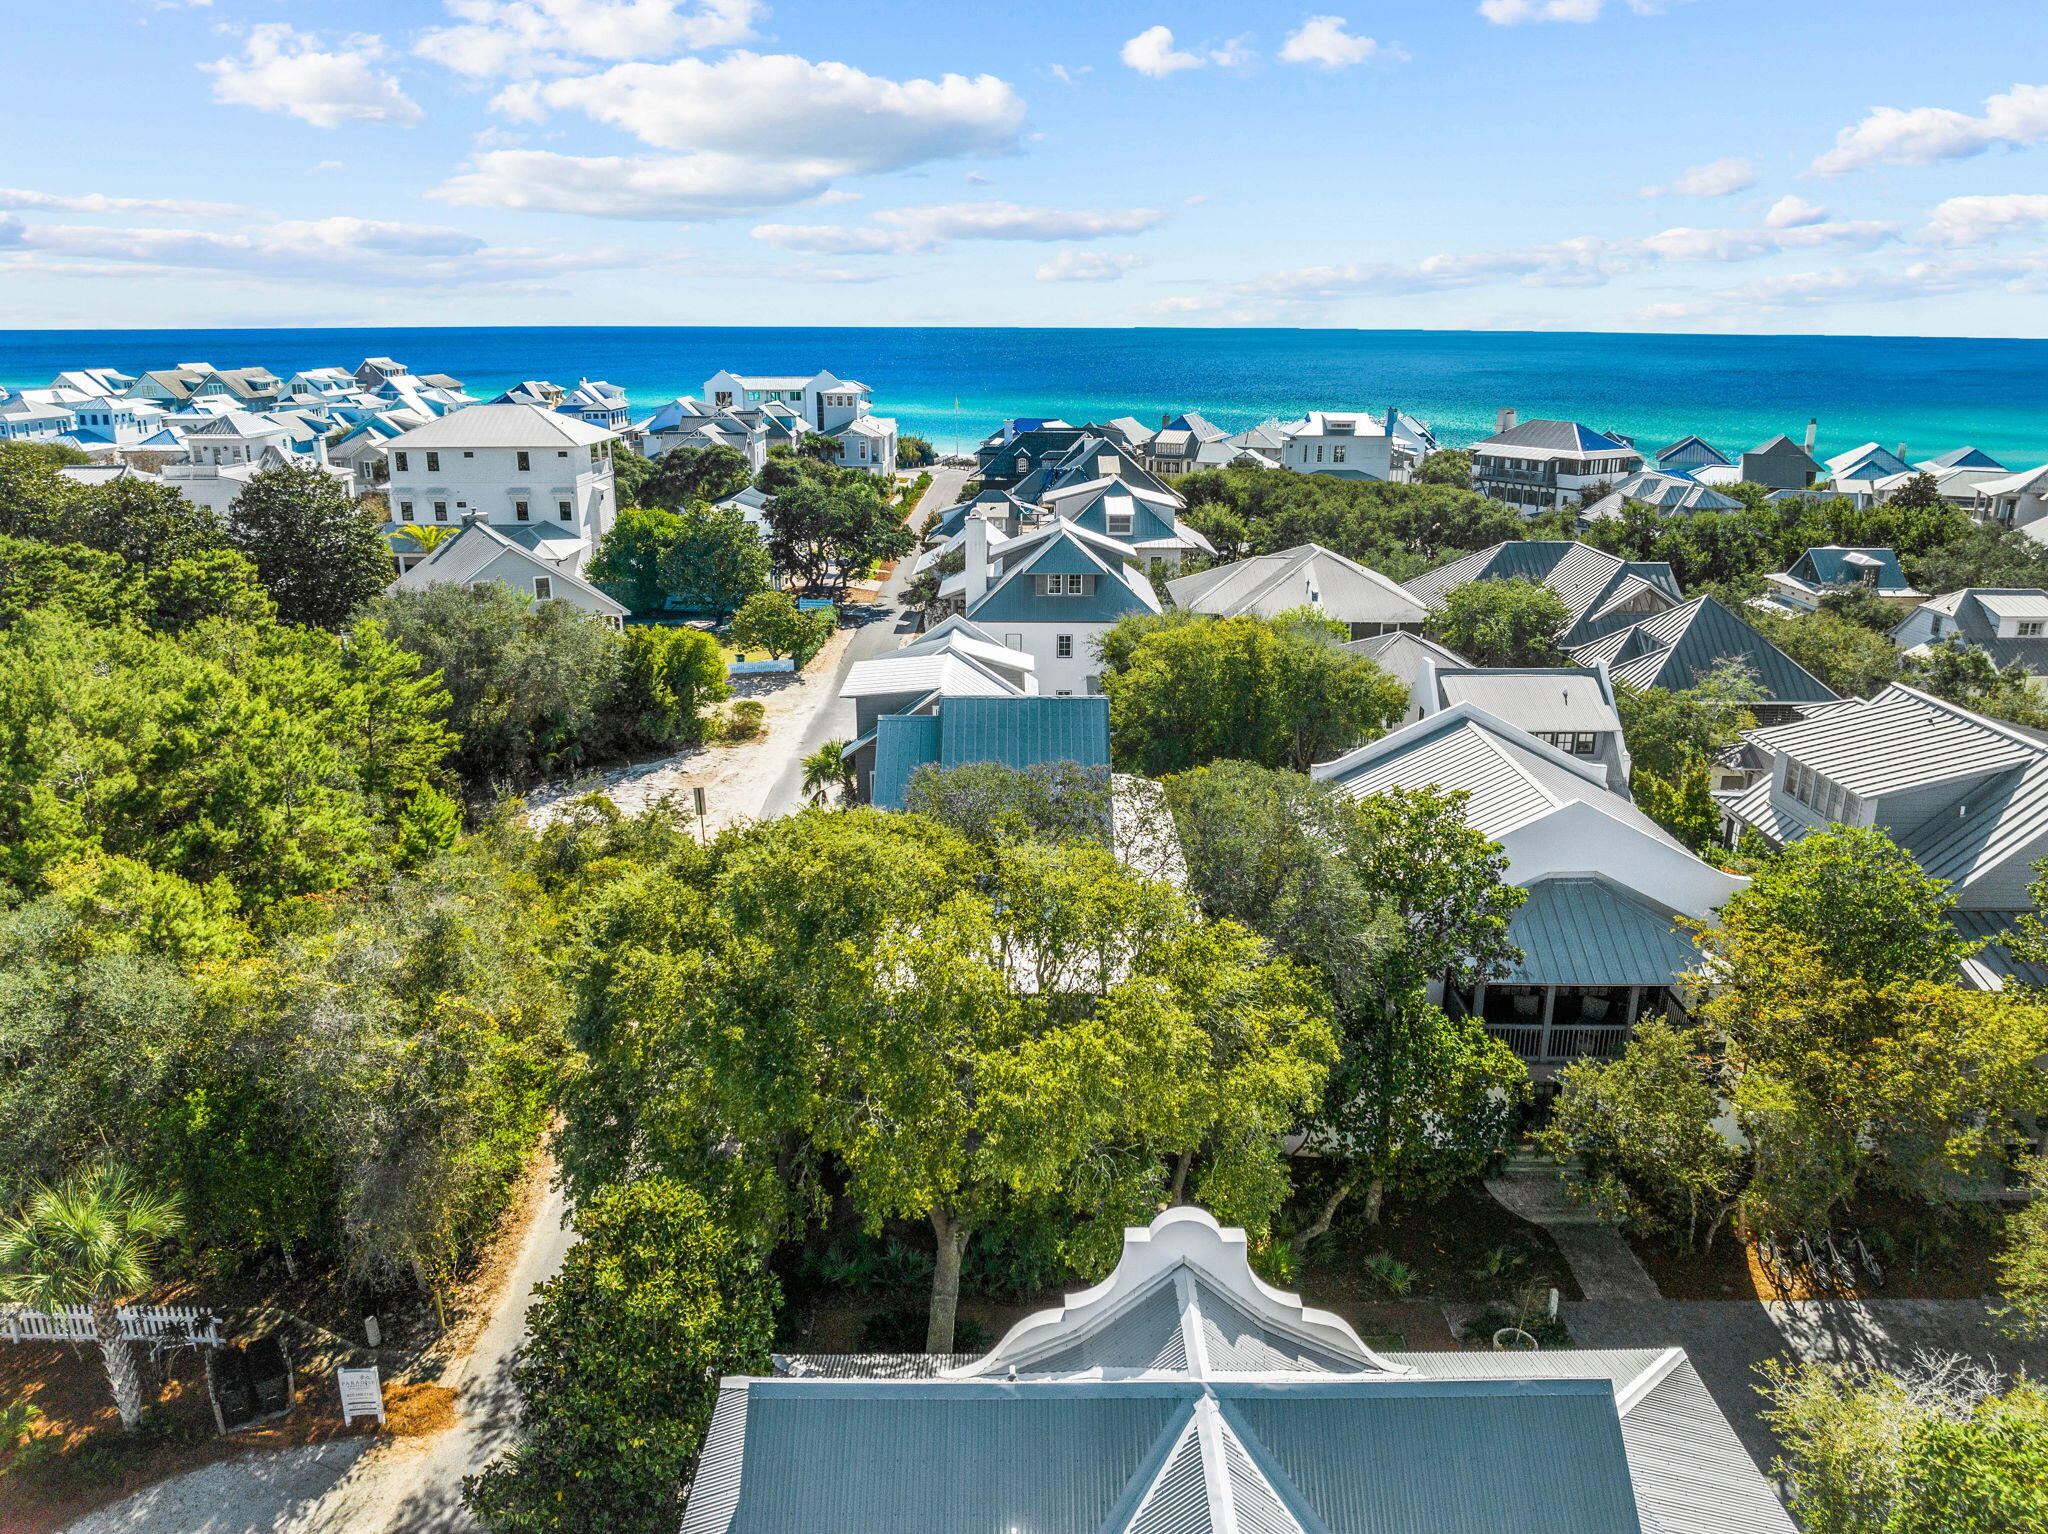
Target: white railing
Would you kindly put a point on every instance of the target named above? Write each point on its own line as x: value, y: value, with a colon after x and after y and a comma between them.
x: 139, y: 1323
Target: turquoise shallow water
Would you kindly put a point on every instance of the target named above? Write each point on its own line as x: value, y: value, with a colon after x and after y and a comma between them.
x: 953, y: 385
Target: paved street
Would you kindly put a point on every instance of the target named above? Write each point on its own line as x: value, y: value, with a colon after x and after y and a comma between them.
x: 884, y: 626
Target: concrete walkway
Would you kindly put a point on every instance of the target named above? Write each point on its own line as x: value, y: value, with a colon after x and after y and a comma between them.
x: 1599, y: 1259
x: 1729, y: 1341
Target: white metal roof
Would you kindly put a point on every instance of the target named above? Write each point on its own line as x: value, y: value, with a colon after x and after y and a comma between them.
x: 2016, y: 604
x: 503, y: 426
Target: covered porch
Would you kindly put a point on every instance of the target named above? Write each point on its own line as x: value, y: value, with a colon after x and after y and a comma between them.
x: 1596, y: 960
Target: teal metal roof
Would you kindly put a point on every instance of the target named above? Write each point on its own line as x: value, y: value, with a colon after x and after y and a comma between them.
x: 1834, y: 567
x: 1378, y: 1456
x: 1015, y: 732
x: 1063, y: 556
x: 1590, y: 932
x: 903, y: 743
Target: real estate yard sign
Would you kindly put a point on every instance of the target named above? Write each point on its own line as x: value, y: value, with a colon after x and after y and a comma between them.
x: 362, y: 1394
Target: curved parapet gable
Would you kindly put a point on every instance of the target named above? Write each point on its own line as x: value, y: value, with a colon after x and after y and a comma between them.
x: 1183, y: 1300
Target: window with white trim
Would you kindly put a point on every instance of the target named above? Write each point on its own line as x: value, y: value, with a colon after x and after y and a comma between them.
x: 400, y: 457
x: 405, y: 511
x: 521, y: 511
x: 543, y: 589
x: 433, y: 463
x: 1063, y: 646
x: 1120, y: 524
x: 563, y: 509
x: 1826, y: 798
x: 440, y: 511
x: 1062, y: 585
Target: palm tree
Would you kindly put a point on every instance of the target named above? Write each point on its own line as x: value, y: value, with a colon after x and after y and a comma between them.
x: 90, y: 1241
x: 426, y: 536
x: 826, y: 769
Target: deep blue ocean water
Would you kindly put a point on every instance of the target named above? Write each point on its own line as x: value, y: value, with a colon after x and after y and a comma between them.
x: 954, y: 385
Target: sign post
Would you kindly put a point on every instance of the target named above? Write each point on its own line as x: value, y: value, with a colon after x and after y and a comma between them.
x: 362, y: 1394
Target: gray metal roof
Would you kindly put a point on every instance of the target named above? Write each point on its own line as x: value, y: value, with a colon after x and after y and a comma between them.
x: 1554, y: 699
x: 1509, y: 785
x: 1309, y: 575
x: 1588, y: 931
x: 1898, y: 740
x: 1556, y: 436
x: 1679, y: 648
x: 1995, y: 958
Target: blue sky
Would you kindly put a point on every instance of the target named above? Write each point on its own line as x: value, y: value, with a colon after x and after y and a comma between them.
x: 1722, y: 165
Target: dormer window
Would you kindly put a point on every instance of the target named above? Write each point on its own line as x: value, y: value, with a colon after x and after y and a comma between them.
x: 2028, y: 628
x: 1120, y: 526
x: 1062, y: 585
x: 1828, y: 799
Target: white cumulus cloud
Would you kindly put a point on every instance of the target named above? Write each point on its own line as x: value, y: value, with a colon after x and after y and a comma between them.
x: 1152, y: 52
x: 1088, y: 266
x: 282, y: 69
x: 761, y: 131
x: 667, y: 187
x: 781, y: 107
x: 1327, y: 42
x: 1790, y: 212
x: 1718, y: 178
x: 1975, y: 220
x: 524, y: 37
x: 1923, y: 135
x: 98, y: 202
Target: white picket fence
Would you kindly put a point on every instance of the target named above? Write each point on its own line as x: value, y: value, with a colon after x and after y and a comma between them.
x: 139, y: 1323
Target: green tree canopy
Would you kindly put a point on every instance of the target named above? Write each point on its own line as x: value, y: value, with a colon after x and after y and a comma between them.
x: 771, y: 621
x: 987, y: 802
x: 320, y: 554
x: 715, y: 561
x: 1642, y: 1129
x: 1502, y: 623
x: 684, y: 476
x: 960, y: 1031
x: 626, y: 564
x: 1278, y: 692
x: 822, y: 519
x: 1934, y: 1449
x: 1400, y: 530
x: 1850, y: 657
x: 657, y: 1300
x: 1855, y: 1057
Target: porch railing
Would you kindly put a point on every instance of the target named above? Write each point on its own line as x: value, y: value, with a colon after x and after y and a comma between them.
x: 1566, y: 1041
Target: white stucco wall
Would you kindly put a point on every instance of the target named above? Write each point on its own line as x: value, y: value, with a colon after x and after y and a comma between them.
x: 442, y: 484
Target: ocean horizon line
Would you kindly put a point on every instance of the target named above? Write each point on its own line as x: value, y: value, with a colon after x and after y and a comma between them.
x: 955, y: 383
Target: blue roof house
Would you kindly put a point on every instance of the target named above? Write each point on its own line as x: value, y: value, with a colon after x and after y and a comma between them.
x: 1185, y: 1394
x: 1050, y: 592
x: 1818, y: 572
x: 1012, y: 732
